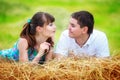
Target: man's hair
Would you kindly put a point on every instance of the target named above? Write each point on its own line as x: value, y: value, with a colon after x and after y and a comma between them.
x: 84, y: 18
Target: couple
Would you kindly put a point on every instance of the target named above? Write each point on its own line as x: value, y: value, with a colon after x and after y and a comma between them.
x: 37, y: 39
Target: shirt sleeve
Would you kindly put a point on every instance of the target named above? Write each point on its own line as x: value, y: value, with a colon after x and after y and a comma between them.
x: 62, y: 45
x: 103, y: 47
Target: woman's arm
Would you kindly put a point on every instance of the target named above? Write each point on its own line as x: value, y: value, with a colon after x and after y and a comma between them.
x: 22, y: 47
x: 38, y: 57
x: 49, y: 56
x: 43, y: 46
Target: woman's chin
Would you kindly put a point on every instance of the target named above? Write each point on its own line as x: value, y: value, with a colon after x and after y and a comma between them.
x: 52, y: 35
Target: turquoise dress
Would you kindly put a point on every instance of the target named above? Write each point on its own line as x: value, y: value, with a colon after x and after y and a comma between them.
x: 13, y: 54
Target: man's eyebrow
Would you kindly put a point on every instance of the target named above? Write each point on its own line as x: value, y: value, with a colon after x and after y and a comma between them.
x: 72, y: 23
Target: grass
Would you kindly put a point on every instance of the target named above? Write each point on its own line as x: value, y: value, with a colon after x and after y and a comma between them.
x: 14, y: 14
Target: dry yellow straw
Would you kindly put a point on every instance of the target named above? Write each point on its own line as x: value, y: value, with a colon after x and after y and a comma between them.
x: 89, y: 68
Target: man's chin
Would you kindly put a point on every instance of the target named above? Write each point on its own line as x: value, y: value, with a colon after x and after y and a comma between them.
x: 71, y: 36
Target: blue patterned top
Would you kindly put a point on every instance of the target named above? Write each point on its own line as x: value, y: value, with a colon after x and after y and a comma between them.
x: 13, y: 53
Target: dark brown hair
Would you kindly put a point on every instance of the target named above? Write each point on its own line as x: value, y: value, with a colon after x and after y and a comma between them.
x: 84, y: 18
x: 29, y: 29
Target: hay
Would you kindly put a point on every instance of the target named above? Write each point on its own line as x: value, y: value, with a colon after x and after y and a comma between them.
x: 67, y: 69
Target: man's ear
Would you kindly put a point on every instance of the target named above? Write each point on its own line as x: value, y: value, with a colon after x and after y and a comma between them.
x: 39, y: 29
x: 85, y: 29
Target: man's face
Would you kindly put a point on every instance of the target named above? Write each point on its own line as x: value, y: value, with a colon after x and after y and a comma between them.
x: 74, y: 29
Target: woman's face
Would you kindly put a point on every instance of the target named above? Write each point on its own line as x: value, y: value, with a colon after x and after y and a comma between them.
x: 49, y: 30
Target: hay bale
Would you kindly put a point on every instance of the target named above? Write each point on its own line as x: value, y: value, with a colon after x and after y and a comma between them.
x: 89, y: 68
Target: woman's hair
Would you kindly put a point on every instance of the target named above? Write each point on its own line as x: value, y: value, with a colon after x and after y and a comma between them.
x: 29, y: 29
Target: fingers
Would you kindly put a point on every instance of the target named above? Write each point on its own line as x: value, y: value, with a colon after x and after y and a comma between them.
x: 47, y: 43
x: 45, y: 46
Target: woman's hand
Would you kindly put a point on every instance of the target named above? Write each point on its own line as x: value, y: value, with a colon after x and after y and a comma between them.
x: 44, y: 47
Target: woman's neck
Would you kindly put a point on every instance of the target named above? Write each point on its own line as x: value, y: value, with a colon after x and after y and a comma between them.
x: 40, y: 39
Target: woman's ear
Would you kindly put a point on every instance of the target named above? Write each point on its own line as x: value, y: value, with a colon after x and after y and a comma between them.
x: 39, y: 29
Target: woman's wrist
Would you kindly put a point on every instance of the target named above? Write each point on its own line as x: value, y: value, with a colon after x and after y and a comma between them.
x: 41, y: 52
x: 37, y: 57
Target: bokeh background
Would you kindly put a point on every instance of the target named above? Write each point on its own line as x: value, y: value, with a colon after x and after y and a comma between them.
x: 15, y: 13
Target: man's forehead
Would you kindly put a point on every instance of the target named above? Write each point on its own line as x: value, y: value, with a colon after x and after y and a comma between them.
x: 73, y: 21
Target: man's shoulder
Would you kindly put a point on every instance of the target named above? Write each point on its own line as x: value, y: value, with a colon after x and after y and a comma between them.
x: 65, y: 33
x: 98, y: 33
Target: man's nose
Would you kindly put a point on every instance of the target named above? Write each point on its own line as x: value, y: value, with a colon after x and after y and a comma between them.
x: 69, y: 27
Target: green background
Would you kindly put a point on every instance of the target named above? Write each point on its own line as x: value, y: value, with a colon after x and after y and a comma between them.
x: 14, y: 14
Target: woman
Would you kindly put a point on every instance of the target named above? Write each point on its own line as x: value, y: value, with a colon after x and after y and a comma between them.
x: 36, y: 40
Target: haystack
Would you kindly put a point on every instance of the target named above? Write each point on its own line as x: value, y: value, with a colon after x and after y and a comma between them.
x: 89, y: 68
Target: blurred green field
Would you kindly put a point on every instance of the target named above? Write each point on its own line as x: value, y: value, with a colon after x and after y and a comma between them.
x: 14, y: 13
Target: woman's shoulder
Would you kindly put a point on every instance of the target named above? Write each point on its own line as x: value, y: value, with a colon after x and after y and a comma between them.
x: 22, y: 42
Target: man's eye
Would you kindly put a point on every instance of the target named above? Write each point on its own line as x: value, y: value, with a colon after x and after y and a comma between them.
x: 51, y: 24
x: 73, y: 25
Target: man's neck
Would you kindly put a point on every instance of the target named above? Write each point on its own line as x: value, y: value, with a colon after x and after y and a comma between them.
x: 82, y: 40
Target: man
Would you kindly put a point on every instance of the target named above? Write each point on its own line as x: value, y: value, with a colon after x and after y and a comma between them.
x: 81, y: 39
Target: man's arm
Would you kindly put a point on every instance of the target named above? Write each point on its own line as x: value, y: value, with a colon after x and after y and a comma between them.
x: 61, y: 49
x: 103, y: 47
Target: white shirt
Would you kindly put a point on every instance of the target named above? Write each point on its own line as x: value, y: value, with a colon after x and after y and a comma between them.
x: 96, y: 45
